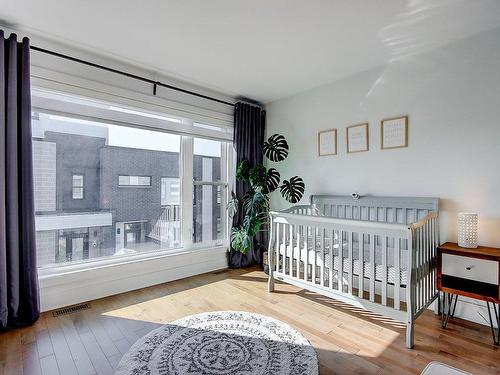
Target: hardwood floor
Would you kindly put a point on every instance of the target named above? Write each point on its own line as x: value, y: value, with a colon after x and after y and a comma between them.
x: 346, y: 341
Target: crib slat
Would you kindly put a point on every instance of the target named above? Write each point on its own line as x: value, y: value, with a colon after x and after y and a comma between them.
x: 429, y: 260
x: 397, y: 281
x: 361, y: 273
x: 349, y: 268
x: 322, y: 258
x: 426, y: 260
x: 384, y: 270
x: 417, y: 269
x: 278, y: 244
x: 432, y: 268
x: 372, y: 267
x: 290, y: 240
x: 330, y: 271
x: 313, y: 229
x: 340, y: 273
x: 306, y: 261
x: 422, y: 263
x: 299, y: 250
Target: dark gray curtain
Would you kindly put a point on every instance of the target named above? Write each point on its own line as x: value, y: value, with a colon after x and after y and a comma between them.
x: 249, y: 126
x: 19, y: 301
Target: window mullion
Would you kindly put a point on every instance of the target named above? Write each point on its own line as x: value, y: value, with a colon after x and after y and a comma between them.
x: 187, y: 192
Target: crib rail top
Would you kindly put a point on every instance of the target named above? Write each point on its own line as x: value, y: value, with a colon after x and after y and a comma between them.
x: 388, y: 229
x: 421, y: 203
x: 397, y: 210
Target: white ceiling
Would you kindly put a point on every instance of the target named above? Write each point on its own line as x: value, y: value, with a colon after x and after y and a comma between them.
x: 261, y: 49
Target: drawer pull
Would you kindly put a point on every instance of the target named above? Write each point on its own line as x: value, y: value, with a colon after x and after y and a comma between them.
x: 468, y: 268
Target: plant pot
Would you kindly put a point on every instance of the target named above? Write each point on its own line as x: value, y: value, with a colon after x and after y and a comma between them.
x: 265, y: 262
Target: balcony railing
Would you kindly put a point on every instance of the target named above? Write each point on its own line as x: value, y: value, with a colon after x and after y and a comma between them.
x: 167, y: 229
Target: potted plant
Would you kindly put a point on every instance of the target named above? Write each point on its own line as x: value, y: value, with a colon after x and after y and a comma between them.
x: 255, y: 202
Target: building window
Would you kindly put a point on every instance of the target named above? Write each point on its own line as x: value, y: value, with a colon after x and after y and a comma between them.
x: 136, y: 181
x: 77, y: 192
x: 170, y: 191
x: 219, y: 194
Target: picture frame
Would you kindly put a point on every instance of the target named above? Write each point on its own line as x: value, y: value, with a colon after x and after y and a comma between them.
x: 394, y: 133
x: 357, y: 139
x: 327, y: 142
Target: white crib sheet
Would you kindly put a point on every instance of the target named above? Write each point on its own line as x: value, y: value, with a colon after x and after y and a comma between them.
x: 403, y: 261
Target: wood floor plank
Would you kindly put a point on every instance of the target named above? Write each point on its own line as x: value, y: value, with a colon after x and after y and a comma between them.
x: 49, y: 365
x: 31, y: 361
x: 96, y: 355
x: 44, y: 344
x: 78, y: 352
x: 347, y: 340
x: 10, y: 353
x: 123, y: 345
x: 62, y: 352
x: 108, y: 347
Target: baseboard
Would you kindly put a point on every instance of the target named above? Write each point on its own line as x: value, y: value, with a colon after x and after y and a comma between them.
x: 70, y: 288
x: 472, y: 310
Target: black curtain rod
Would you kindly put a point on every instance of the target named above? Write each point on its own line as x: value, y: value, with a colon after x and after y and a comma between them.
x: 130, y: 75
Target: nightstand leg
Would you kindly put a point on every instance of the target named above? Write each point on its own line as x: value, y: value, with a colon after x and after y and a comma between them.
x: 496, y: 316
x: 449, y: 307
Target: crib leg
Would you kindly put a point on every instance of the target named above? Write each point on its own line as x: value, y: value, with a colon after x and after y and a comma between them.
x: 410, y: 330
x: 437, y: 304
x: 270, y: 281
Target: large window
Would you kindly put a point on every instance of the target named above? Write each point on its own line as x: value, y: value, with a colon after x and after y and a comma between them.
x: 134, y: 191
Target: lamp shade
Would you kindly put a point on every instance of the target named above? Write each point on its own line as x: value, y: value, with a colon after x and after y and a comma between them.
x: 467, y: 229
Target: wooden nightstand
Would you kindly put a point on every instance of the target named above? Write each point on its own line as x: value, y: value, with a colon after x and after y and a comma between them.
x: 473, y: 273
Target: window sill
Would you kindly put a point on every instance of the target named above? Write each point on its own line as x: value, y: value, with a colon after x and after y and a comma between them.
x: 134, y: 187
x: 55, y: 271
x: 86, y: 282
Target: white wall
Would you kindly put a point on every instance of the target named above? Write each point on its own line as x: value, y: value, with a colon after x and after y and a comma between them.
x: 452, y: 97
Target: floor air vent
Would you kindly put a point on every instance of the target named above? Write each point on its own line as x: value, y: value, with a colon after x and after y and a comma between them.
x: 70, y: 309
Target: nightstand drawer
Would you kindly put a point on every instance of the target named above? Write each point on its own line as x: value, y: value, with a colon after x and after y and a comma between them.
x: 482, y: 270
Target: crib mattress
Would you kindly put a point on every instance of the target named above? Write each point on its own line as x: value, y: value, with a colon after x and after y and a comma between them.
x: 325, y: 259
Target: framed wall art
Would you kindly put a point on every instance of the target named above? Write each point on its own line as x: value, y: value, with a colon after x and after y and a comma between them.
x: 327, y: 142
x: 394, y: 133
x: 357, y: 138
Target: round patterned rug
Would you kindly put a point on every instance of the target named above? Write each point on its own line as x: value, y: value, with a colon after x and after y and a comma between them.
x: 221, y: 343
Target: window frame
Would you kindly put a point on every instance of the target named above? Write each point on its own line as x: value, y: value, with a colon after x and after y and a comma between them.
x: 73, y: 187
x: 137, y: 185
x: 226, y: 157
x: 186, y: 189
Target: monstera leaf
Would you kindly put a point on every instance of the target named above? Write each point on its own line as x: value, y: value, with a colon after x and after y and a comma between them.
x: 257, y: 177
x: 272, y: 180
x: 275, y: 148
x: 252, y: 224
x: 293, y: 190
x: 243, y: 170
x: 265, y: 180
x: 254, y: 202
x: 232, y: 205
x: 240, y: 240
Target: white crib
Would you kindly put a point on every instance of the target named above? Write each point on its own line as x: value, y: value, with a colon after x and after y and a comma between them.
x: 377, y: 253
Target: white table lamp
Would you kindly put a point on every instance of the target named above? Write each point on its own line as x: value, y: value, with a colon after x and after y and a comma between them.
x: 467, y: 230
